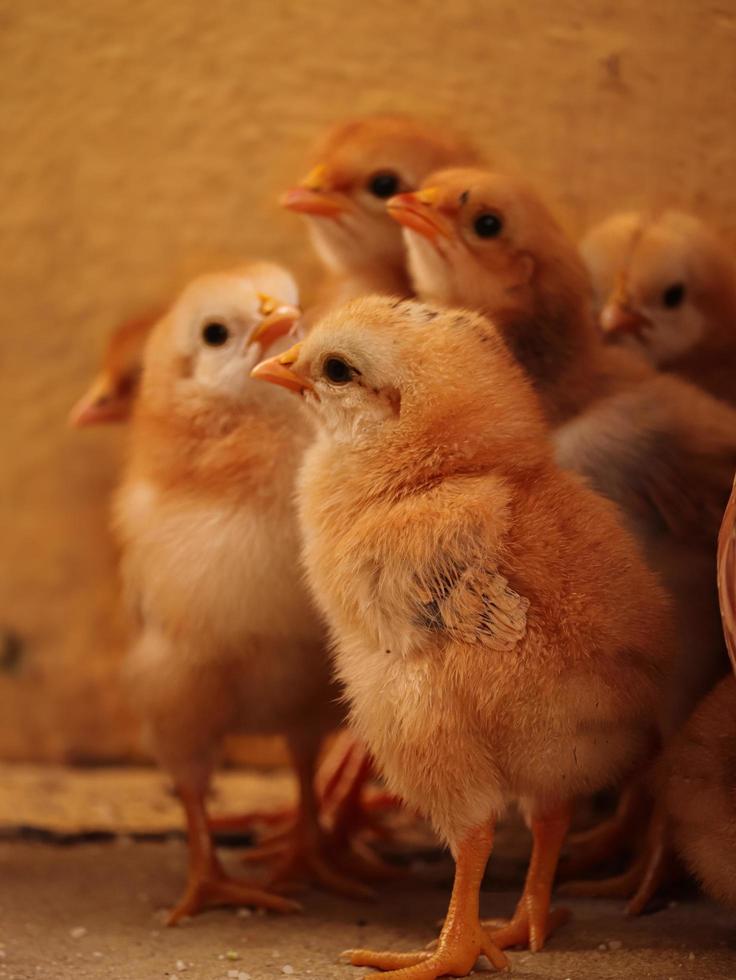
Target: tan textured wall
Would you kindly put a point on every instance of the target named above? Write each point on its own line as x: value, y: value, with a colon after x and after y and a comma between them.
x: 141, y: 140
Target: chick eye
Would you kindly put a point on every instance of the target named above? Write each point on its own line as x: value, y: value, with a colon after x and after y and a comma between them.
x: 673, y: 295
x: 383, y: 184
x: 215, y: 334
x: 337, y: 371
x: 488, y: 225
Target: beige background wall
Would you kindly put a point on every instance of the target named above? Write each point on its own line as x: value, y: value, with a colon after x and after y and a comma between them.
x: 143, y: 140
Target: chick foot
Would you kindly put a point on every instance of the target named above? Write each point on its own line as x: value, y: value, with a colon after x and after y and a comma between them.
x: 642, y: 880
x: 304, y: 854
x: 534, y: 921
x: 608, y: 839
x: 215, y: 889
x: 208, y: 884
x: 454, y: 956
x: 526, y: 928
x: 344, y: 807
x: 238, y: 822
x: 463, y: 938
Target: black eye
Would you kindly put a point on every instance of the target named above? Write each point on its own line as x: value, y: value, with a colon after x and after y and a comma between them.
x: 488, y: 225
x: 673, y: 295
x: 384, y: 184
x: 337, y: 371
x: 215, y: 334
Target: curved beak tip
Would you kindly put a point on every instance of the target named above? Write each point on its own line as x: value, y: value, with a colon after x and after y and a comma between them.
x: 616, y: 319
x: 417, y: 213
x: 278, y: 370
x: 311, y: 201
x: 278, y: 321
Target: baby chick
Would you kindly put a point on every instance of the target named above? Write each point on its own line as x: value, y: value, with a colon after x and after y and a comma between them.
x: 660, y: 448
x: 486, y: 241
x: 228, y: 639
x: 700, y: 792
x: 700, y: 788
x: 358, y: 166
x: 665, y: 286
x: 499, y: 636
x: 664, y: 451
x: 111, y: 395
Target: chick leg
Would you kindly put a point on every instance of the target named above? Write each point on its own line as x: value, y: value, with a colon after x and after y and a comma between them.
x: 462, y: 939
x: 533, y: 921
x: 208, y: 884
x: 606, y: 840
x: 341, y: 780
x: 347, y: 816
x: 306, y: 851
x: 642, y: 879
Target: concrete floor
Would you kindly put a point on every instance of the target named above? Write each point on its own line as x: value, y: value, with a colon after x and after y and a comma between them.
x: 95, y: 910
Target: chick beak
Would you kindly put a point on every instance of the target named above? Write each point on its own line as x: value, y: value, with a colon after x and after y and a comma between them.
x: 278, y: 370
x: 419, y: 211
x: 278, y: 320
x: 313, y: 196
x: 618, y: 319
x: 101, y: 404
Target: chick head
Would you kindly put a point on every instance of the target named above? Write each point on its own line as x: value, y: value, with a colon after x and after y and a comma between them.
x: 217, y: 329
x: 487, y: 241
x: 656, y: 281
x: 358, y: 166
x: 415, y: 375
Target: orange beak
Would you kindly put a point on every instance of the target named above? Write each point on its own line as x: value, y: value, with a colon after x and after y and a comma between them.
x: 278, y: 320
x: 278, y: 370
x: 419, y: 212
x: 618, y: 319
x: 103, y: 403
x: 314, y: 197
x: 323, y: 204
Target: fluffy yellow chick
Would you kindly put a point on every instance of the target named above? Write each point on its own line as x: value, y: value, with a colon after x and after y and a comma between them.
x: 359, y: 165
x: 664, y: 451
x: 659, y: 447
x: 486, y: 241
x: 498, y: 633
x: 111, y: 395
x: 665, y: 286
x: 228, y: 639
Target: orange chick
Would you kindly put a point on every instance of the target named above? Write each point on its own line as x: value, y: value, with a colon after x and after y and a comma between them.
x: 358, y: 165
x: 700, y: 792
x: 663, y: 450
x: 665, y: 286
x: 486, y: 241
x: 228, y: 639
x: 111, y: 395
x: 499, y: 635
x: 700, y: 787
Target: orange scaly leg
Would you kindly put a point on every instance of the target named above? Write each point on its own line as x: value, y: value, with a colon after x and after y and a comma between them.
x: 462, y: 939
x: 533, y: 921
x: 305, y: 851
x: 642, y: 879
x: 246, y: 821
x: 208, y: 884
x: 342, y: 779
x: 610, y: 838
